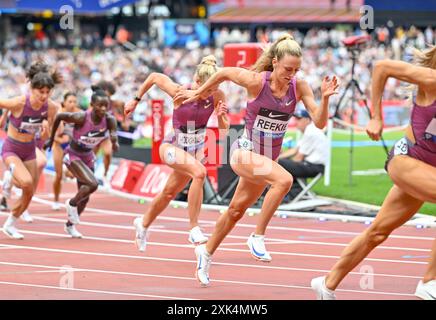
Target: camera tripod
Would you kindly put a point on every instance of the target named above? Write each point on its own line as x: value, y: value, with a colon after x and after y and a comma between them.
x: 352, y: 86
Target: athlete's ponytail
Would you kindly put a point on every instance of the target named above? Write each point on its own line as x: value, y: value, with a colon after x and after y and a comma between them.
x: 40, y: 76
x: 97, y: 94
x: 206, y: 69
x: 284, y: 45
x: 107, y: 86
x: 423, y: 58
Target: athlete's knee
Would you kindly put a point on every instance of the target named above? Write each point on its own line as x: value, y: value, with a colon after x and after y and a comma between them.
x: 92, y: 186
x: 236, y: 210
x: 376, y: 236
x: 169, y: 193
x: 27, y: 186
x: 284, y: 183
x: 235, y: 214
x: 199, y: 173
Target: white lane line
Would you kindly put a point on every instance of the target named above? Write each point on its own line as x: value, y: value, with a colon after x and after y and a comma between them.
x: 270, y: 240
x: 193, y: 279
x: 213, y: 222
x: 222, y: 249
x: 93, y: 291
x: 253, y: 266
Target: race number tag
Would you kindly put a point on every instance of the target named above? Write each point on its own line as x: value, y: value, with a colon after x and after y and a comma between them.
x: 401, y: 147
x: 245, y: 144
x: 430, y: 132
x: 191, y: 140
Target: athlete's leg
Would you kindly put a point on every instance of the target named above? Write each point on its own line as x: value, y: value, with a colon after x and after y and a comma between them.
x: 58, y: 155
x: 397, y: 209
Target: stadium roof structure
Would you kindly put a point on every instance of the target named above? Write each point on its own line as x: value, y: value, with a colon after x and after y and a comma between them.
x: 79, y: 6
x: 285, y: 11
x: 284, y: 15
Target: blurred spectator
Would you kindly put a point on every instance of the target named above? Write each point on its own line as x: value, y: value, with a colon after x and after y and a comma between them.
x: 309, y: 156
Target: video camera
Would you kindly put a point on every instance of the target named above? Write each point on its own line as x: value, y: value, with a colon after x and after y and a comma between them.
x: 355, y: 41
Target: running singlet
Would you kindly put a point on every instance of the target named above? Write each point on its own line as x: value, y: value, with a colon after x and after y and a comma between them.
x: 189, y: 124
x: 267, y: 118
x: 423, y: 121
x: 424, y: 131
x: 90, y: 135
x: 30, y: 120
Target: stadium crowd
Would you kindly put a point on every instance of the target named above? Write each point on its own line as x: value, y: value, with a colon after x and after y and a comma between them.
x: 324, y: 54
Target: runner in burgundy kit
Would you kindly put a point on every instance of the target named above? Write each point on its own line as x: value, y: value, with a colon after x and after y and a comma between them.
x: 30, y: 116
x: 411, y: 165
x: 61, y: 142
x: 273, y: 92
x: 90, y: 128
x: 183, y: 149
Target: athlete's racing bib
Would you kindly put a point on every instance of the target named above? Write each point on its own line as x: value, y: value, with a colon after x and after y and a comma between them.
x: 191, y: 139
x: 92, y: 139
x: 31, y: 125
x: 271, y: 124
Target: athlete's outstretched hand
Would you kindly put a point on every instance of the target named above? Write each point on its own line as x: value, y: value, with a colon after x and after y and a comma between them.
x: 130, y: 107
x: 45, y: 132
x: 115, y: 147
x: 185, y: 96
x: 374, y: 129
x: 221, y: 109
x: 48, y: 144
x: 329, y: 86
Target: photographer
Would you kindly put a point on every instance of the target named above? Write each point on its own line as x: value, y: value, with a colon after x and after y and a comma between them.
x: 309, y: 156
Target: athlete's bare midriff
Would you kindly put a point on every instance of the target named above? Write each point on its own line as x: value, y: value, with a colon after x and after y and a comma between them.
x: 409, y: 133
x: 22, y: 137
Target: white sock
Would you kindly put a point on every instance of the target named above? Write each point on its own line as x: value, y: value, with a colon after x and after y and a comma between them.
x: 10, y: 221
x: 325, y: 287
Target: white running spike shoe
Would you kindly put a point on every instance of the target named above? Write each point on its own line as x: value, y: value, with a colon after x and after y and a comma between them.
x: 25, y: 216
x: 204, y: 260
x: 12, y: 232
x: 256, y: 243
x: 322, y: 292
x: 196, y: 236
x: 141, y: 235
x: 56, y: 206
x: 72, y: 231
x: 426, y: 291
x: 73, y: 214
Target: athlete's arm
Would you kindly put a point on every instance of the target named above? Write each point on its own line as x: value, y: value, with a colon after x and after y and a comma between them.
x: 162, y: 81
x: 383, y: 69
x: 3, y: 119
x: 78, y: 118
x: 319, y: 114
x: 13, y: 104
x: 221, y: 112
x: 112, y: 126
x: 250, y: 80
x: 60, y: 137
x: 53, y: 109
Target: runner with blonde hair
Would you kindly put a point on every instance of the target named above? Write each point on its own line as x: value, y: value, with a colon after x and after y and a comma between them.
x: 273, y: 92
x: 411, y: 165
x: 183, y: 149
